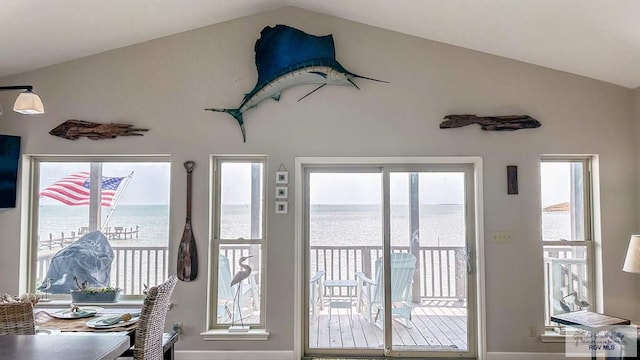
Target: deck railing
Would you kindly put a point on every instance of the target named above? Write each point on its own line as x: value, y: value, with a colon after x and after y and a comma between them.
x: 441, y: 271
x: 131, y: 267
x: 565, y: 272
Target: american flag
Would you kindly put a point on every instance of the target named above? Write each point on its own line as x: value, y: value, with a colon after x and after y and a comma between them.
x: 74, y: 189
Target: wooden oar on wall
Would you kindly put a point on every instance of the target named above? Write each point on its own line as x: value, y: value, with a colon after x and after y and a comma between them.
x: 187, y: 252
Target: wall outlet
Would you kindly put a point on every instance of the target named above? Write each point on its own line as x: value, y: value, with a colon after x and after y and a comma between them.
x: 501, y: 237
x: 532, y: 331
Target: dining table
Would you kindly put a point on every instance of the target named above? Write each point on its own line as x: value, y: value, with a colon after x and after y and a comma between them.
x: 72, y: 347
x: 53, y: 321
x: 62, y: 319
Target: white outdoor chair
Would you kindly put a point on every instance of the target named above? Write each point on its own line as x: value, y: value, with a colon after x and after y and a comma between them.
x: 371, y: 293
x: 315, y: 292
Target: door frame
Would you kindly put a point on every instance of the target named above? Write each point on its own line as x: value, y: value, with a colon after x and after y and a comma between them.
x: 299, y: 278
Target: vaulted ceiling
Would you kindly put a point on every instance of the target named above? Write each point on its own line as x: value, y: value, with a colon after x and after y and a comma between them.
x: 593, y: 38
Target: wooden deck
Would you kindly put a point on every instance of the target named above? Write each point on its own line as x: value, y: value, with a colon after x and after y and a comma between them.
x: 437, y: 326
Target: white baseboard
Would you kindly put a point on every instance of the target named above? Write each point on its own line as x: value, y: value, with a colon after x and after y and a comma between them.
x: 234, y: 355
x: 288, y: 355
x: 529, y: 356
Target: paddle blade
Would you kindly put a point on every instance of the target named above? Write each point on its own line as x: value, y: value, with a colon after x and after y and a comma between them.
x: 187, y: 256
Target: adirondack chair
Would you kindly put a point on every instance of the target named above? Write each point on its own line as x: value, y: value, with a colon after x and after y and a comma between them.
x: 226, y: 293
x: 315, y: 292
x: 371, y: 292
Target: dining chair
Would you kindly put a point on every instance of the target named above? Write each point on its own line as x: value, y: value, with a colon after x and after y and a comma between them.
x: 148, y: 337
x: 17, y: 319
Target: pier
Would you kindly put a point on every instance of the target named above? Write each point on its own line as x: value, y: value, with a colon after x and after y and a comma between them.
x: 64, y: 239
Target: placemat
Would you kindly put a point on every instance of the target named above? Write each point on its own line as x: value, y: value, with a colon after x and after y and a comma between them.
x: 44, y: 319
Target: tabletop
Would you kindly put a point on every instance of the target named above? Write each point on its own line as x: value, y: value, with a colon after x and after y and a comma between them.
x: 588, y: 320
x: 45, y: 320
x: 29, y: 347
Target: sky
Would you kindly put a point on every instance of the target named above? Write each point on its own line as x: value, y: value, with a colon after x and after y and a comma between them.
x: 555, y: 183
x: 352, y: 188
x: 148, y: 186
x: 366, y: 188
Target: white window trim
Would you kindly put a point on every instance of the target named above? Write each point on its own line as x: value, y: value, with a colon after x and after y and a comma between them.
x: 224, y: 334
x: 592, y: 237
x: 218, y: 331
x: 30, y: 171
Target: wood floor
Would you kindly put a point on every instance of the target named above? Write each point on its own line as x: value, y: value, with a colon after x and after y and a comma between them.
x: 436, y: 326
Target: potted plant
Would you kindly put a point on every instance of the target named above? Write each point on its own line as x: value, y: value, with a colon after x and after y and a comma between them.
x: 87, y: 294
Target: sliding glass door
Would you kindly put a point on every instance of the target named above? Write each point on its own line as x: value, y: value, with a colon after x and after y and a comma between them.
x: 386, y: 258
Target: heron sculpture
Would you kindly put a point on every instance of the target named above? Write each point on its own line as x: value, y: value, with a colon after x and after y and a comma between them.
x: 240, y: 276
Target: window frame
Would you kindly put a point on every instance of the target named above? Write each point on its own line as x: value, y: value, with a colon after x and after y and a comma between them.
x: 588, y: 232
x: 385, y: 170
x: 216, y: 242
x: 32, y: 172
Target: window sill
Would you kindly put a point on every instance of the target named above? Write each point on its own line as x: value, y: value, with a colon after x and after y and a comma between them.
x: 224, y: 334
x: 551, y: 336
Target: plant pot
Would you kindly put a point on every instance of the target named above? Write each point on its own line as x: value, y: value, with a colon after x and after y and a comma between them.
x: 83, y: 296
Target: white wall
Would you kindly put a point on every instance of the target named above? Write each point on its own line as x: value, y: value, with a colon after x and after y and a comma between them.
x: 165, y: 84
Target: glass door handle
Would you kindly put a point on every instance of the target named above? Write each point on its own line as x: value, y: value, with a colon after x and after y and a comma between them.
x: 468, y: 258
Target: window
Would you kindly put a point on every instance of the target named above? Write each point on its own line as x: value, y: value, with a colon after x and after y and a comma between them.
x: 567, y: 234
x: 128, y: 205
x: 238, y: 243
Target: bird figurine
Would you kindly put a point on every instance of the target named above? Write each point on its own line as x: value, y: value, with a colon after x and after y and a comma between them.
x: 81, y: 286
x: 45, y: 286
x: 579, y: 303
x: 237, y: 279
x: 565, y: 307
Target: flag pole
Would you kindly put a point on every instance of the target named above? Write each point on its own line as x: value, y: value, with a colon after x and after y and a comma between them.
x: 116, y: 200
x: 95, y: 196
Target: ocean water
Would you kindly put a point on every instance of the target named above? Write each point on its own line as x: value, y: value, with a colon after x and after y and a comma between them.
x: 440, y: 225
x: 151, y: 219
x: 347, y: 225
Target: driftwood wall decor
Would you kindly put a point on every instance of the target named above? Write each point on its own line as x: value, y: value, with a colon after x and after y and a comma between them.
x: 74, y: 129
x: 491, y: 123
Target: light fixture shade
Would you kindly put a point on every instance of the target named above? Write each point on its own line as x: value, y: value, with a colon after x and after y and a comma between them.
x: 632, y: 261
x: 28, y: 103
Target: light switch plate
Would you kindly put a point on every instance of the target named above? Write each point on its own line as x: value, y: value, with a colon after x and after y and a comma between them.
x: 501, y: 237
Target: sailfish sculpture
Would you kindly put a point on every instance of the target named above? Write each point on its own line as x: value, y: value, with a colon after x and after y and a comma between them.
x: 286, y: 57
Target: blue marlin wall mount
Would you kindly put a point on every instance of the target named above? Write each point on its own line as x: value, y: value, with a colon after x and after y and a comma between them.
x: 287, y: 57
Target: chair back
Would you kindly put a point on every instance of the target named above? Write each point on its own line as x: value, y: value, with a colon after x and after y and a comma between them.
x: 226, y: 292
x: 315, y: 291
x: 148, y: 341
x: 17, y: 319
x: 403, y: 266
